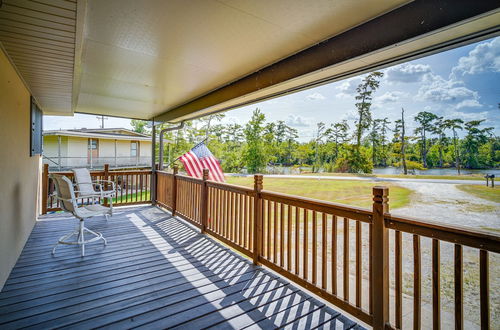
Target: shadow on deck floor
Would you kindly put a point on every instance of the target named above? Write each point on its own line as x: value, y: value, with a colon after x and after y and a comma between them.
x: 155, y: 272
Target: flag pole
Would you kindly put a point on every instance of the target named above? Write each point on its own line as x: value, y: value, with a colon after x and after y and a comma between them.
x: 202, y: 141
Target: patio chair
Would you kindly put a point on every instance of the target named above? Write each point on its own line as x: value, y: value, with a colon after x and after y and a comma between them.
x: 67, y: 195
x: 94, y: 189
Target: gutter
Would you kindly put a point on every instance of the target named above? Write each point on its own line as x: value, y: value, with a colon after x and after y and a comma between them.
x: 162, y: 132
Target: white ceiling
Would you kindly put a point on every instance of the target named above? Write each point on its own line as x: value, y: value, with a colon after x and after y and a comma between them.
x: 140, y: 59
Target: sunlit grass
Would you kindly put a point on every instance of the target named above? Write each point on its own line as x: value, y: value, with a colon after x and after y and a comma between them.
x: 355, y: 193
x: 488, y: 193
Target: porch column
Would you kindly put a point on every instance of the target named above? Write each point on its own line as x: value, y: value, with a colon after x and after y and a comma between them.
x: 116, y: 163
x: 153, y: 165
x: 59, y: 151
x: 91, y: 152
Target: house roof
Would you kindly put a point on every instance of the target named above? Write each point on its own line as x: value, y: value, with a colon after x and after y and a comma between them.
x: 175, y: 60
x: 107, y: 133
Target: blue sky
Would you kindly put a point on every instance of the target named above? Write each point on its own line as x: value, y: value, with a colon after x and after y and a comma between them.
x: 460, y: 83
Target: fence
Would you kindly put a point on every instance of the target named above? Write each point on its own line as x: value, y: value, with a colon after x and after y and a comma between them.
x: 63, y: 163
x: 132, y: 187
x: 311, y: 243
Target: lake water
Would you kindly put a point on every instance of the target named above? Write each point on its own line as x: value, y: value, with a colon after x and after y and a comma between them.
x: 436, y: 171
x: 388, y: 170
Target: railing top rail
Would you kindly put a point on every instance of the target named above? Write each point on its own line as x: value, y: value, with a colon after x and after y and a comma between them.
x: 352, y: 212
x: 230, y: 187
x: 164, y: 172
x: 451, y: 233
x: 188, y: 178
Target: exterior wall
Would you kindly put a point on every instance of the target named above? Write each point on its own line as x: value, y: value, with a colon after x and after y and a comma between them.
x: 19, y: 173
x: 74, y: 152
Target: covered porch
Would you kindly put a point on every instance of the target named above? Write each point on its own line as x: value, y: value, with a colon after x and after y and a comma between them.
x: 156, y: 272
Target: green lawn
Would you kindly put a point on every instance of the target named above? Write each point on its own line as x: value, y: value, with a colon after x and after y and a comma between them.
x: 439, y: 177
x: 488, y: 193
x: 145, y: 196
x: 356, y: 193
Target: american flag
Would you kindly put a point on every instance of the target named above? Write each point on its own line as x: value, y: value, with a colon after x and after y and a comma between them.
x: 198, y: 158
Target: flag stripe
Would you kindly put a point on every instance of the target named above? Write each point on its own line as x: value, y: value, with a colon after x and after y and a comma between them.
x: 199, y: 158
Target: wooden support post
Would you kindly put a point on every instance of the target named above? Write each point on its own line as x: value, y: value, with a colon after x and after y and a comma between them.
x: 106, y: 177
x: 174, y: 189
x: 380, y: 259
x: 204, y: 202
x: 257, y: 221
x: 45, y: 187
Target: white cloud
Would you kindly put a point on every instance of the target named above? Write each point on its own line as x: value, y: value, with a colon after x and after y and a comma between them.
x: 388, y: 97
x: 436, y: 89
x: 348, y: 88
x: 483, y: 58
x: 468, y: 104
x: 407, y: 73
x: 297, y: 121
x: 315, y: 96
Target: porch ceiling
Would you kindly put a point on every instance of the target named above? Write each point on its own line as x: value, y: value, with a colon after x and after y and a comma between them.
x: 173, y: 60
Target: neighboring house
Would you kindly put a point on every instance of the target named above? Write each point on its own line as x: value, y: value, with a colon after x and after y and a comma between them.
x: 118, y: 147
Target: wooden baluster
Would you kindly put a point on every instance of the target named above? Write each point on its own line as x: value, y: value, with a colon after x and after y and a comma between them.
x: 484, y: 291
x: 275, y: 233
x: 334, y: 254
x: 459, y: 292
x: 45, y: 188
x: 380, y: 255
x: 245, y: 221
x: 346, y: 259
x: 305, y: 259
x: 436, y: 291
x: 323, y: 252
x: 241, y: 220
x: 289, y: 239
x: 416, y: 283
x: 126, y: 195
x: 106, y: 177
x: 174, y: 190
x: 399, y: 279
x: 204, y: 202
x: 314, y: 247
x: 297, y: 243
x: 257, y: 221
x: 282, y: 234
x: 268, y: 233
x: 358, y: 264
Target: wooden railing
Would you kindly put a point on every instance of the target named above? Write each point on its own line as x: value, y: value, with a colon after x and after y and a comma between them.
x: 338, y: 252
x: 132, y: 187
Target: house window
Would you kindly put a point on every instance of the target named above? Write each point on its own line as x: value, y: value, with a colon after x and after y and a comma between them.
x: 92, y: 144
x: 134, y: 146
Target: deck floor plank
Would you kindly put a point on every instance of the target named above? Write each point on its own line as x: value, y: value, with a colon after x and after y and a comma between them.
x: 156, y: 272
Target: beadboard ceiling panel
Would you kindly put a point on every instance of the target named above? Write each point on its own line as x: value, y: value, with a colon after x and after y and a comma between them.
x: 39, y: 37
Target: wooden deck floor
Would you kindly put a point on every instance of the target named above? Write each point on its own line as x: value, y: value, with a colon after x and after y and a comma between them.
x: 156, y: 272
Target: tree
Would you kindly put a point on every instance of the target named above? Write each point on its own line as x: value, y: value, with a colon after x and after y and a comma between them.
x: 474, y: 139
x: 365, y: 92
x: 454, y: 125
x: 338, y: 134
x: 255, y: 156
x: 320, y: 134
x: 399, y: 133
x: 139, y: 126
x: 374, y: 138
x: 426, y: 120
x: 208, y: 120
x: 384, y: 127
x: 439, y: 129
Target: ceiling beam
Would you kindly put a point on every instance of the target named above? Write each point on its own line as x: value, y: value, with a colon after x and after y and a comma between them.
x: 410, y: 21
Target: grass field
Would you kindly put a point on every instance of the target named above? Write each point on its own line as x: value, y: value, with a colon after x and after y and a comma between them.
x: 488, y: 193
x: 439, y: 177
x: 132, y: 197
x: 354, y: 193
